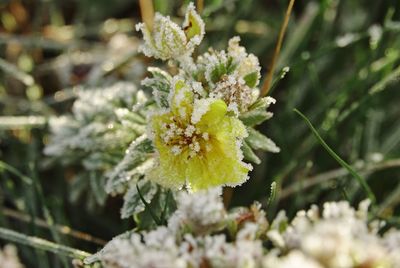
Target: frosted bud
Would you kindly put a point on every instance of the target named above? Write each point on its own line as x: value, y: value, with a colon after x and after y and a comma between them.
x: 169, y: 41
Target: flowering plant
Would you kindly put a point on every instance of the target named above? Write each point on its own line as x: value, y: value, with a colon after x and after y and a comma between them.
x: 201, y: 120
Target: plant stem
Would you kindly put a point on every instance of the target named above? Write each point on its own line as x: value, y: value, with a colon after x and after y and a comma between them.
x: 266, y: 86
x: 147, y: 12
x: 200, y: 6
x: 42, y: 244
x: 63, y: 229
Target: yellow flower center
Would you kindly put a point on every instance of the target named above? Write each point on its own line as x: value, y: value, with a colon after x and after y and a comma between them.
x: 181, y: 137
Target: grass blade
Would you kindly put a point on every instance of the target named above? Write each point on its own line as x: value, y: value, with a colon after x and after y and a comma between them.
x: 361, y: 180
x: 42, y: 244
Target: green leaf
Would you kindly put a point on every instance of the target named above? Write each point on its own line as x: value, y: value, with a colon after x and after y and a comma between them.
x: 249, y: 155
x: 132, y: 201
x: 251, y: 79
x: 258, y: 141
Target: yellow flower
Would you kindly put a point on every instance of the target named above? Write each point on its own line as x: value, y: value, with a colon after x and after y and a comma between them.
x: 198, y: 143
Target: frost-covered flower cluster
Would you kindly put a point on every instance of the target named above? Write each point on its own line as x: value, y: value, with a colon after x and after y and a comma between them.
x: 9, y: 257
x: 201, y: 233
x: 194, y: 237
x: 338, y: 236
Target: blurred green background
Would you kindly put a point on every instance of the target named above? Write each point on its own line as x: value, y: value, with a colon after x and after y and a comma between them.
x: 344, y: 59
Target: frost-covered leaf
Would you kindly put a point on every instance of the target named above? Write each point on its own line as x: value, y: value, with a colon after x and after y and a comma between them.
x: 135, y: 162
x: 193, y: 24
x: 160, y: 84
x: 169, y: 41
x: 258, y: 141
x: 255, y: 117
x: 257, y: 112
x: 132, y: 200
x: 249, y: 155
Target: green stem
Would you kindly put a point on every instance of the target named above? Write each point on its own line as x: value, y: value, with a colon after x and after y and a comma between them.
x: 361, y: 180
x: 42, y: 244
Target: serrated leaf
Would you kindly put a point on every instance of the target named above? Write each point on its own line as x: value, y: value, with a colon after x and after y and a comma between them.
x: 251, y: 79
x: 132, y: 201
x: 249, y: 155
x: 258, y: 141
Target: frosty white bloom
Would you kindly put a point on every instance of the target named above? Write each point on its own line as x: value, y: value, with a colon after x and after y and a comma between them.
x: 9, y: 257
x: 157, y: 250
x: 295, y: 259
x: 340, y: 238
x: 216, y: 251
x: 169, y: 41
x: 200, y: 212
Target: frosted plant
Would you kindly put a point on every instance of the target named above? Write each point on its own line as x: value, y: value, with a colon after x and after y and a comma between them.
x: 204, y: 125
x: 337, y: 236
x: 9, y: 257
x: 103, y: 123
x: 193, y: 129
x: 190, y: 239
